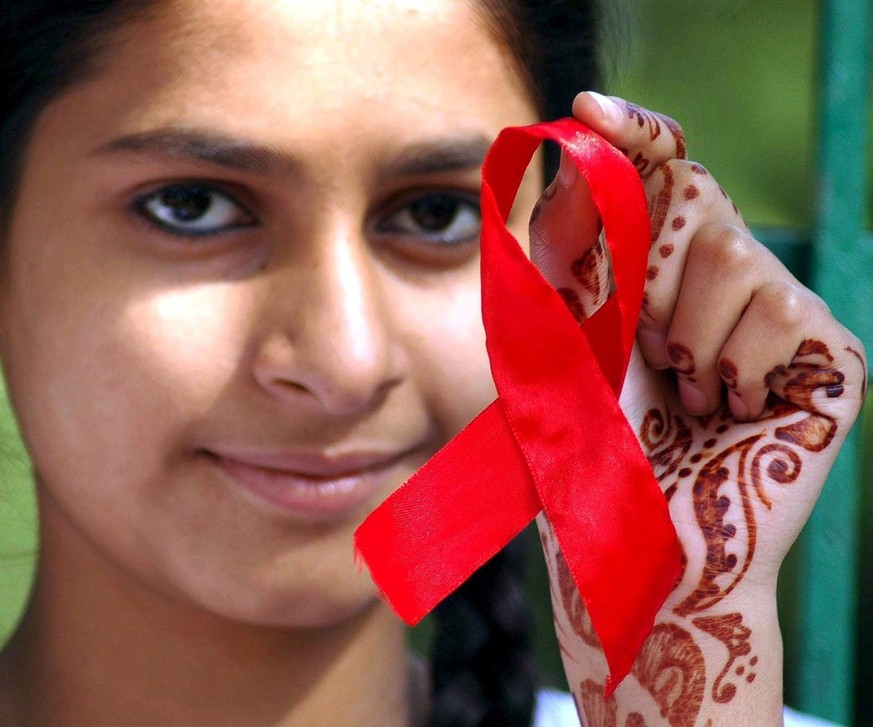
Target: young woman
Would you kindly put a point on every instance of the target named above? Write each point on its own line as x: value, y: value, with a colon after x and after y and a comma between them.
x: 239, y: 305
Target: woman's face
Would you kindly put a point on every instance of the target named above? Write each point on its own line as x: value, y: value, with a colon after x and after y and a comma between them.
x: 239, y: 294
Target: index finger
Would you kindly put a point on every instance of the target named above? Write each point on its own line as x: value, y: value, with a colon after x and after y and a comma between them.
x: 645, y: 137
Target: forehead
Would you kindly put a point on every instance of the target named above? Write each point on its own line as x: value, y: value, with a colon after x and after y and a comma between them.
x: 258, y: 62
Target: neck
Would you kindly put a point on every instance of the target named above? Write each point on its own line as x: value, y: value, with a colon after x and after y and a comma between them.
x: 97, y: 647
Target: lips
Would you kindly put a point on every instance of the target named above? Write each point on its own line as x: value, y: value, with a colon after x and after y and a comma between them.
x: 316, y: 487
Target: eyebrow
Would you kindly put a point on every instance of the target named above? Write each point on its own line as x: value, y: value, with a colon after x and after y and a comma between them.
x: 442, y: 155
x: 418, y: 158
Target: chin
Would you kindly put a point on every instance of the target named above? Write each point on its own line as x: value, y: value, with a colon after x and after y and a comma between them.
x: 325, y: 611
x: 312, y: 605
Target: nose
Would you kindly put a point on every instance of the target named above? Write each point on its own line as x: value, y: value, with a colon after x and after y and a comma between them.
x: 329, y: 341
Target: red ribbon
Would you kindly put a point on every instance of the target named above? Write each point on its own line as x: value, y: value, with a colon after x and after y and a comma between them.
x: 555, y: 439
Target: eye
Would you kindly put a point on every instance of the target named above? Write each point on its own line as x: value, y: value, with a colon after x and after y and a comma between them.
x: 193, y: 209
x: 443, y: 218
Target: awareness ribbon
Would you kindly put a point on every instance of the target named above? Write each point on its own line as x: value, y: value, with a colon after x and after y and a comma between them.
x: 555, y: 439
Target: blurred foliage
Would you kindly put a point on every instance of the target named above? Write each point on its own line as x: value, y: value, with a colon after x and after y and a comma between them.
x: 18, y: 515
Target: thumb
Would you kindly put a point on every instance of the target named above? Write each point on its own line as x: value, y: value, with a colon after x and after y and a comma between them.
x: 564, y: 241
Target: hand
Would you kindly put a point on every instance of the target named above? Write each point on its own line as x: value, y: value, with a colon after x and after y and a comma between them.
x: 742, y: 388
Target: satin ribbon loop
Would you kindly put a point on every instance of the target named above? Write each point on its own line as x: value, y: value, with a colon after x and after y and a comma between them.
x: 555, y: 439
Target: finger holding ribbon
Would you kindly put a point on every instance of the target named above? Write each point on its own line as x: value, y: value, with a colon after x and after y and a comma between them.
x: 740, y: 392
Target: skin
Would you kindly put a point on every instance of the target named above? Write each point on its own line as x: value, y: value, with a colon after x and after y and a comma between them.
x: 313, y: 328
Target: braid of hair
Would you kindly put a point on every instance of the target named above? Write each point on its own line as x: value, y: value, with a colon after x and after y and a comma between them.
x: 482, y: 660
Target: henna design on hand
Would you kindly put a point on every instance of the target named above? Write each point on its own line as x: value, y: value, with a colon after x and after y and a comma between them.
x: 644, y: 117
x: 815, y: 431
x: 681, y: 358
x: 653, y: 120
x: 596, y: 711
x: 729, y: 629
x: 727, y: 369
x: 600, y: 712
x: 592, y: 272
x: 666, y: 250
x: 772, y: 374
x: 711, y: 507
x: 672, y: 669
x: 804, y: 378
x: 729, y: 472
x: 572, y: 602
x: 810, y: 347
x: 730, y: 481
x: 652, y: 272
x: 660, y: 205
x: 667, y: 440
x: 691, y: 192
x: 678, y: 136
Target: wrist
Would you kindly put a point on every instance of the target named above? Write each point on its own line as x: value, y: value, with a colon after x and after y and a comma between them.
x: 736, y: 648
x: 718, y: 666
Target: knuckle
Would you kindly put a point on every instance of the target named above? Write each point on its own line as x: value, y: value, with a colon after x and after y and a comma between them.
x: 727, y: 248
x: 784, y: 303
x: 694, y: 185
x: 686, y: 169
x: 671, y: 168
x: 818, y: 303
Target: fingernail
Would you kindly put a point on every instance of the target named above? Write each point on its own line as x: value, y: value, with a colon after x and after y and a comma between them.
x: 739, y: 408
x: 693, y: 399
x: 567, y: 171
x: 611, y: 110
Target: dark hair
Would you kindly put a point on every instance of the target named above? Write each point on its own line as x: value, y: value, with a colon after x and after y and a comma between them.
x: 555, y: 45
x: 482, y: 662
x: 48, y: 46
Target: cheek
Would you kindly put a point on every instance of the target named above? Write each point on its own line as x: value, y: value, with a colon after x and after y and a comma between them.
x: 445, y: 324
x: 105, y: 387
x: 449, y: 359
